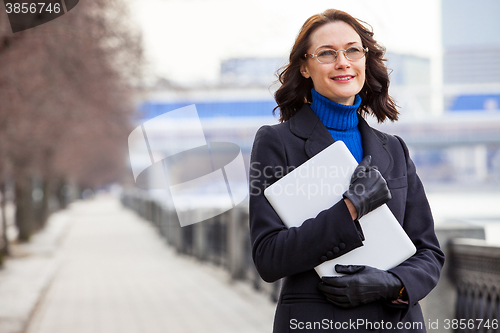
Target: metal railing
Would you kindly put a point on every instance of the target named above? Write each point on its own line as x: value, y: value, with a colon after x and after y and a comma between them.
x: 475, y: 271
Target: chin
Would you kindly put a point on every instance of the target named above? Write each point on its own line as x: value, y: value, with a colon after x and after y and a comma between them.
x: 343, y: 98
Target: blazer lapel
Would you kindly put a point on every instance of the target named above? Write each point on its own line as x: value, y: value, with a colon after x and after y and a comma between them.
x: 306, y: 124
x: 374, y: 144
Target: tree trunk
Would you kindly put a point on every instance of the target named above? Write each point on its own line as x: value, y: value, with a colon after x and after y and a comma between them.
x: 62, y: 195
x: 4, y: 251
x: 44, y: 205
x: 24, y: 207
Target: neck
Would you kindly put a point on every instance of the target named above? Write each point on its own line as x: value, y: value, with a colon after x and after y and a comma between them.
x: 334, y: 115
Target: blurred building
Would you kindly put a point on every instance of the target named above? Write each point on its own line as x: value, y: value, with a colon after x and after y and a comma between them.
x: 250, y: 71
x: 471, y: 41
x: 462, y: 145
x: 410, y: 78
x: 471, y: 61
x: 408, y: 69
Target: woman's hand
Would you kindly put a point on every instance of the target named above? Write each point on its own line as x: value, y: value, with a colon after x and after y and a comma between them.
x: 360, y: 285
x: 368, y: 189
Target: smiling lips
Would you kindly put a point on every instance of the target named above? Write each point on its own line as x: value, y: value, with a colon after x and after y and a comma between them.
x: 343, y: 78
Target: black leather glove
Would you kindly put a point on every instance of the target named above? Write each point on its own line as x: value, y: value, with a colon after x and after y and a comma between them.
x: 368, y: 189
x: 360, y: 285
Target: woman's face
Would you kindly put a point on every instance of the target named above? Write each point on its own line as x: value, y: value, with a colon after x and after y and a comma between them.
x: 342, y: 79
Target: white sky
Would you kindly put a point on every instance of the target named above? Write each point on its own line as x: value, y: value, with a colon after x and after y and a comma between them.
x: 185, y: 40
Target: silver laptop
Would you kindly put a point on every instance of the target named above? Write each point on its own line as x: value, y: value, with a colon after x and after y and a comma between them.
x: 317, y: 185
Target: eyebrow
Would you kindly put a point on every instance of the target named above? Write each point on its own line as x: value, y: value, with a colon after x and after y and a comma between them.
x: 331, y: 46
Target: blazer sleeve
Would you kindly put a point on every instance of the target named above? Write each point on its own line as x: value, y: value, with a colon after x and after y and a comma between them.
x: 420, y: 273
x: 276, y: 250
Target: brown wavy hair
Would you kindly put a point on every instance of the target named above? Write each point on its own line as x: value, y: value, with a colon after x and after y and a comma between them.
x: 295, y: 90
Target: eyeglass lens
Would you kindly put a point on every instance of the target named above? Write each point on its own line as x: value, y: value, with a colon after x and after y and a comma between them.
x: 352, y: 53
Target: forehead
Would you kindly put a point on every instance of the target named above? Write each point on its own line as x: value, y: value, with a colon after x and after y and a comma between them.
x: 335, y: 34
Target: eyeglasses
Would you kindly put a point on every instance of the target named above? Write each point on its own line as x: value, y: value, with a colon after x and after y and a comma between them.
x: 328, y: 56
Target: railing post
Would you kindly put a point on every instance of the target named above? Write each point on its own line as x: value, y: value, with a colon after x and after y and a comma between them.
x: 200, y: 241
x: 237, y: 231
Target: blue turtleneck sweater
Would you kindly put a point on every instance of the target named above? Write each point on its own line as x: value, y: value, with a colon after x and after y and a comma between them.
x: 340, y: 120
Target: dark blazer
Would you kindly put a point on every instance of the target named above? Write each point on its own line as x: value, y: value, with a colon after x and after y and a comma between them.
x: 293, y: 253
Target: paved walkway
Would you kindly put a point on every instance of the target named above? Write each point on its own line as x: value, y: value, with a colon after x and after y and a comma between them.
x: 114, y: 273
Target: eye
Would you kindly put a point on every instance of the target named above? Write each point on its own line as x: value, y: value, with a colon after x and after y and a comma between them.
x: 354, y: 50
x: 326, y: 53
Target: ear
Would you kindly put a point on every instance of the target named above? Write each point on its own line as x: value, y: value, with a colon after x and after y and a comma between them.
x: 304, y: 71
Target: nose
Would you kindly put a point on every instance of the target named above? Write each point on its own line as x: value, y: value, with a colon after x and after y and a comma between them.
x: 342, y: 61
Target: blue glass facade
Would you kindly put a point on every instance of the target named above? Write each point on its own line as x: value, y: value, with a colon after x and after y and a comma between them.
x: 232, y: 109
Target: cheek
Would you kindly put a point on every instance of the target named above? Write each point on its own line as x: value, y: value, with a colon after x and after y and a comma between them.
x: 322, y: 73
x: 318, y: 76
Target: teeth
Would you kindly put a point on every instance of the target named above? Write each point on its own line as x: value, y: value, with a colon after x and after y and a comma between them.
x: 344, y: 78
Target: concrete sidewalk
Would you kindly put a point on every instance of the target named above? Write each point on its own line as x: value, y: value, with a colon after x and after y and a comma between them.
x: 27, y: 272
x: 113, y: 273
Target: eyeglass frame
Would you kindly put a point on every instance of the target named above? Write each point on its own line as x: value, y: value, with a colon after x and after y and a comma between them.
x: 315, y: 55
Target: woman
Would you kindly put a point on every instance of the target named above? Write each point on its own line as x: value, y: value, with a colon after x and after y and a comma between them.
x: 335, y: 76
